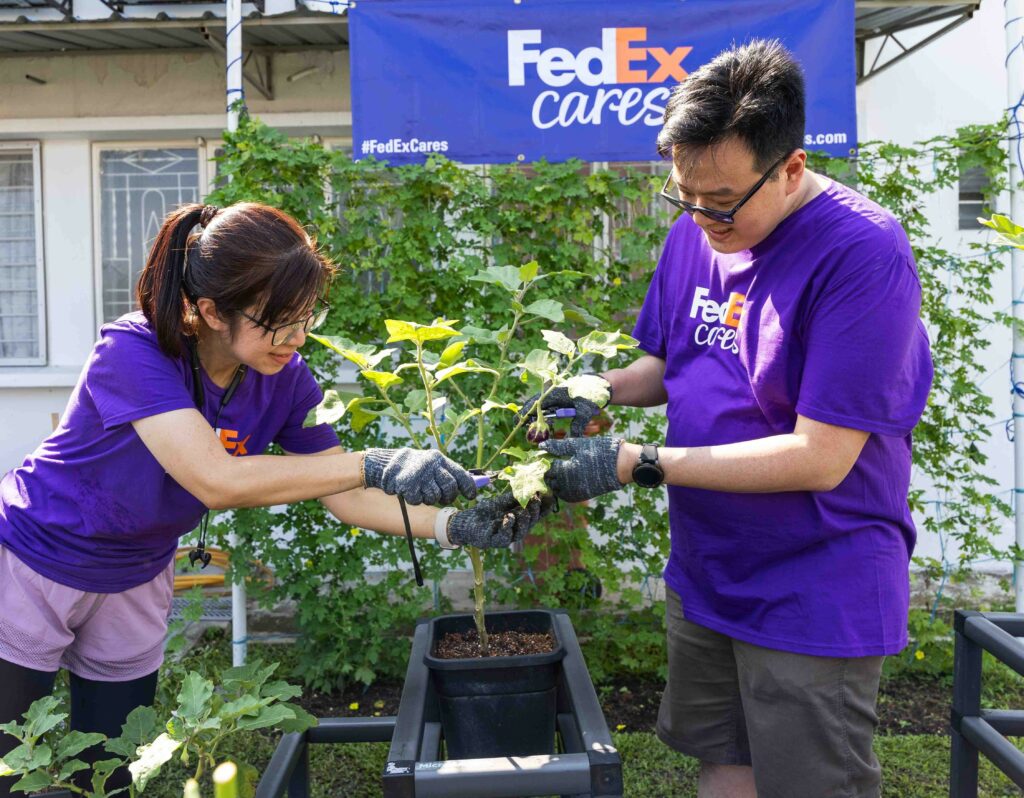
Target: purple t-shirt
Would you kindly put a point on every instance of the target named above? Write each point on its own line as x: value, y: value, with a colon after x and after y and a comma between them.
x: 91, y: 508
x: 819, y: 319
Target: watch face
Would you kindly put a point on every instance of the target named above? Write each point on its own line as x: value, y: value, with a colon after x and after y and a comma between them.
x: 647, y: 475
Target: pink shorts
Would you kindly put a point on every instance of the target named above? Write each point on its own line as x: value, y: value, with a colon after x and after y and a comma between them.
x: 107, y: 637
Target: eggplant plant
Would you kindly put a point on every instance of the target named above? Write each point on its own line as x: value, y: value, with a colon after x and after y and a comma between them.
x: 429, y: 378
x: 246, y: 699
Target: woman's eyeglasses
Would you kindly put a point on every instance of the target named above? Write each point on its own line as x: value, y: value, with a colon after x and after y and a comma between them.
x: 285, y: 332
x: 723, y: 217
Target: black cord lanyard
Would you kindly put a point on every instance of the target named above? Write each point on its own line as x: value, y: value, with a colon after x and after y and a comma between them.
x: 412, y: 548
x: 199, y: 553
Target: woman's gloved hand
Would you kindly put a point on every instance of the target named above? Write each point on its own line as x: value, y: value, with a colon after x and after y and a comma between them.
x: 495, y: 523
x: 583, y: 468
x: 418, y: 476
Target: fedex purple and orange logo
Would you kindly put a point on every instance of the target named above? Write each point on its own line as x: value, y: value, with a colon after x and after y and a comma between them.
x: 619, y: 59
x: 229, y: 440
x: 624, y: 57
x: 719, y: 321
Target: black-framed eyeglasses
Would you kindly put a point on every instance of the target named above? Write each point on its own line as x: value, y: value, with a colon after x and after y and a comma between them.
x: 723, y: 217
x: 285, y: 332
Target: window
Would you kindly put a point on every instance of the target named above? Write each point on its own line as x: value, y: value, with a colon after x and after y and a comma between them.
x: 137, y: 189
x: 974, y: 184
x: 22, y: 320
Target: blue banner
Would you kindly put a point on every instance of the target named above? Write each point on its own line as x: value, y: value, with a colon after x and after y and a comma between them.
x: 492, y: 81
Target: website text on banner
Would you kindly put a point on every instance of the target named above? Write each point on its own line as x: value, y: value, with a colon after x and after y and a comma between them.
x: 493, y: 81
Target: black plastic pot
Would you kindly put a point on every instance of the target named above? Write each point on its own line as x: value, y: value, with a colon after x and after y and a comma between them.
x: 497, y: 706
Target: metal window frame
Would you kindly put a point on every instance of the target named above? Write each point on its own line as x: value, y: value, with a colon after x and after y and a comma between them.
x: 202, y: 148
x: 37, y: 195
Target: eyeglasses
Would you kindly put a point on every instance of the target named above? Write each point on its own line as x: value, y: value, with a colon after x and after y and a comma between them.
x: 723, y: 217
x: 285, y: 332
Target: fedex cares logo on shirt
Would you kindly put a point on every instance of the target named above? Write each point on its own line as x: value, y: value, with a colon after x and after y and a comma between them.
x: 719, y: 321
x: 231, y: 443
x: 623, y: 57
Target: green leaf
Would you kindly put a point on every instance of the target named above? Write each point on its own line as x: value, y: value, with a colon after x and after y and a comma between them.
x: 547, y: 309
x: 490, y: 405
x: 101, y: 772
x: 40, y: 717
x: 421, y: 333
x: 329, y: 411
x: 466, y: 367
x: 416, y: 400
x: 588, y: 386
x: 528, y: 271
x: 516, y: 453
x: 280, y: 691
x: 194, y: 696
x: 246, y: 705
x: 558, y: 342
x: 579, y: 315
x: 1009, y: 232
x: 74, y: 742
x: 33, y: 782
x: 68, y: 769
x: 452, y: 352
x: 605, y: 344
x: 269, y: 716
x: 302, y: 720
x: 152, y: 757
x: 541, y: 364
x: 139, y: 728
x: 526, y: 479
x: 364, y: 356
x: 359, y: 416
x: 505, y: 276
x: 569, y: 272
x: 382, y: 379
x: 481, y: 336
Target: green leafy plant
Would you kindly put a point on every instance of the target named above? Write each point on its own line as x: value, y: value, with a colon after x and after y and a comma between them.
x: 442, y: 390
x: 46, y: 754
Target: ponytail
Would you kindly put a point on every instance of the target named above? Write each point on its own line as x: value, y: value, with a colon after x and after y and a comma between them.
x: 161, y: 291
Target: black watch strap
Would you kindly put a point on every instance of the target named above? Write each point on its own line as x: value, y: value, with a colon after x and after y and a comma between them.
x: 648, y: 473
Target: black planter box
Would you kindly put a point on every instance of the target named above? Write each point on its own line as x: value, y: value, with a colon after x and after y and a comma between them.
x: 496, y: 706
x: 576, y: 757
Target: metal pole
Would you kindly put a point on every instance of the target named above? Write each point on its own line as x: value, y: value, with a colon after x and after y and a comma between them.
x: 1014, y: 91
x: 233, y: 48
x: 963, y: 760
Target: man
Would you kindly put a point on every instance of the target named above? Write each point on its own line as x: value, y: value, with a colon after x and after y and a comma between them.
x: 782, y: 329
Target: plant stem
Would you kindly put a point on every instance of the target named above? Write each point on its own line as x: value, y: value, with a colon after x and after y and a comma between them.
x: 476, y: 556
x: 430, y: 399
x: 502, y: 359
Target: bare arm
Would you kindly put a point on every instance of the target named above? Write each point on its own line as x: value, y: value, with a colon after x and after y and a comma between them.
x: 188, y: 449
x: 640, y: 384
x: 814, y: 457
x: 370, y: 508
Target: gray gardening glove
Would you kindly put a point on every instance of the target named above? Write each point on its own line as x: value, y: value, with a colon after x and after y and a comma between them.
x: 495, y: 523
x: 419, y: 477
x: 589, y: 467
x: 558, y: 398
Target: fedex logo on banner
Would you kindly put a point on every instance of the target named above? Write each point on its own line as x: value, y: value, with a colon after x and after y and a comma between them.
x: 621, y: 59
x: 617, y: 60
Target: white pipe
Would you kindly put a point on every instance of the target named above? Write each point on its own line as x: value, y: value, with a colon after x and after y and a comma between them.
x: 233, y: 48
x: 1014, y: 91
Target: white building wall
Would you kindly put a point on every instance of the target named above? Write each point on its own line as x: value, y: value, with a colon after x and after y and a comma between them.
x: 957, y: 80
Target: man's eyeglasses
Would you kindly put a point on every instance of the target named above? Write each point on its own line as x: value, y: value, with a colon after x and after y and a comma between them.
x: 723, y: 217
x: 285, y: 332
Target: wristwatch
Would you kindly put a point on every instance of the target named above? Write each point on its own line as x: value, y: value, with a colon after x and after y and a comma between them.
x: 647, y: 473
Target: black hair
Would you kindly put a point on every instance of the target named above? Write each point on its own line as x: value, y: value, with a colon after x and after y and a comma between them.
x: 754, y: 92
x: 247, y: 255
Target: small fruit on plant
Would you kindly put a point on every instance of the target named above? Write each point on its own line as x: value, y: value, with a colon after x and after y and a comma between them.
x: 538, y: 432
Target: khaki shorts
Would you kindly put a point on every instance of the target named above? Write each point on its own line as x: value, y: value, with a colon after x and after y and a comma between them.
x: 805, y: 723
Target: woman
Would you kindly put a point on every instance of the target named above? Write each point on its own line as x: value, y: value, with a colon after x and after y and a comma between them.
x: 167, y: 421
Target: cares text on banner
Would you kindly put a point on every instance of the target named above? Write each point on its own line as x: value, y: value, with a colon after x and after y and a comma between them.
x: 619, y: 60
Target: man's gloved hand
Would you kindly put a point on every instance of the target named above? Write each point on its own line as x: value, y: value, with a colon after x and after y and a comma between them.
x: 419, y: 477
x: 559, y: 397
x: 495, y: 523
x: 589, y: 467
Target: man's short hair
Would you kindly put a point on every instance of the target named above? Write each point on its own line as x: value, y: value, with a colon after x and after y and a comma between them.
x: 754, y: 93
